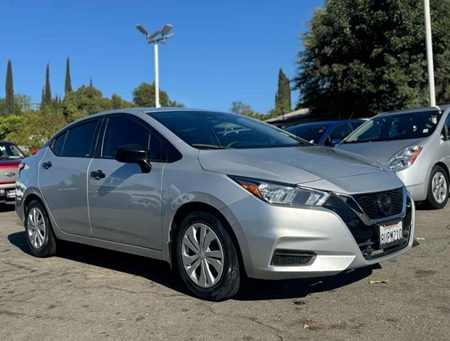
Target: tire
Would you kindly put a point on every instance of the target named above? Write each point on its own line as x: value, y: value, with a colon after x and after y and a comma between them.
x: 438, y: 188
x: 207, y: 258
x: 39, y: 233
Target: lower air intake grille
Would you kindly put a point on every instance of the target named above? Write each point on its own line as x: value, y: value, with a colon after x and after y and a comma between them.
x: 292, y: 257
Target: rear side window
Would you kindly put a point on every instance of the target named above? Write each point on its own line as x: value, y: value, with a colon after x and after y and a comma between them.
x: 122, y: 131
x: 79, y: 140
x: 58, y: 144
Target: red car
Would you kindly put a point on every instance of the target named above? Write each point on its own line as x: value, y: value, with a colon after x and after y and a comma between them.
x: 10, y: 157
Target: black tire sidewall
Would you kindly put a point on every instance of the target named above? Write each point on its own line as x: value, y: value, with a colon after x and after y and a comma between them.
x: 48, y: 248
x: 431, y: 201
x: 229, y: 283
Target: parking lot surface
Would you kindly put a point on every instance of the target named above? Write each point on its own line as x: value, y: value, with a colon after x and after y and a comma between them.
x: 89, y: 293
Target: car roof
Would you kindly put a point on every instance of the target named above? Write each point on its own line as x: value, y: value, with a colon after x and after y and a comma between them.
x: 442, y: 107
x: 327, y: 123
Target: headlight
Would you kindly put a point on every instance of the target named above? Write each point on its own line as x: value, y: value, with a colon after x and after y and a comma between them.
x: 405, y: 158
x: 283, y: 194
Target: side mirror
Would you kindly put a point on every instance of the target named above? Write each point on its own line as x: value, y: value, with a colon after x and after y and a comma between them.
x: 134, y: 154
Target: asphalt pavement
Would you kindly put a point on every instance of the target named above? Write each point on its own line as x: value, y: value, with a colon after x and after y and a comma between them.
x: 87, y: 293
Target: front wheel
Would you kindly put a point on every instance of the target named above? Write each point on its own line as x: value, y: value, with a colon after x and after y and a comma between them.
x: 437, y: 188
x: 40, y: 237
x: 207, y: 258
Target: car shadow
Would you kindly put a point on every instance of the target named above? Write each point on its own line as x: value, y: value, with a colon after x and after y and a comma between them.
x: 161, y: 273
x: 6, y: 208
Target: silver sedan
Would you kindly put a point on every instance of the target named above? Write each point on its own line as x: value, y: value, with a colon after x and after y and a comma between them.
x: 216, y: 195
x: 413, y: 143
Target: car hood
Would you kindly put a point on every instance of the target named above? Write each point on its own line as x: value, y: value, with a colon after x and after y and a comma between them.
x: 380, y: 152
x: 296, y: 165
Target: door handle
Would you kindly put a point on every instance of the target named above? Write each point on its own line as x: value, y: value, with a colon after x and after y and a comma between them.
x: 97, y: 175
x: 47, y: 164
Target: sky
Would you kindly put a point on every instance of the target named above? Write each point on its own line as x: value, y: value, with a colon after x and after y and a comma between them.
x: 223, y: 51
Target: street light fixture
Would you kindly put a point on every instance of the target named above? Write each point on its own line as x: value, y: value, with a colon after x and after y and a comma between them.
x: 156, y: 38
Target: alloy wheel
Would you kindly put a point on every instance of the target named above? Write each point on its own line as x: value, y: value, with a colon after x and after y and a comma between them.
x: 439, y: 187
x: 202, y: 254
x: 36, y: 228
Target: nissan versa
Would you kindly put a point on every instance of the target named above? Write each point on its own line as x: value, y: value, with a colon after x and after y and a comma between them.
x: 216, y: 195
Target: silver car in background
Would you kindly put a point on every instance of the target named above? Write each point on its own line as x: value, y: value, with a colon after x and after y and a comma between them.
x: 413, y: 143
x: 216, y: 195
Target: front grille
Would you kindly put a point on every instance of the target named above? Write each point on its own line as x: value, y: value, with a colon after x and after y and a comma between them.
x: 382, y: 204
x: 367, y: 236
x: 283, y: 257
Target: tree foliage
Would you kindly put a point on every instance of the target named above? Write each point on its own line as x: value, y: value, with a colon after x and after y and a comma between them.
x: 283, y: 95
x: 46, y: 99
x: 9, y: 104
x: 67, y: 80
x: 144, y: 96
x: 361, y: 57
x: 84, y: 101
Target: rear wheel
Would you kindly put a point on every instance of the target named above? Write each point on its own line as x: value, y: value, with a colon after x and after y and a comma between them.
x: 40, y: 237
x: 438, y: 188
x: 207, y: 258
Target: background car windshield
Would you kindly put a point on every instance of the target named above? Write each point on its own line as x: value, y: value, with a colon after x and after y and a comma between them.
x: 396, y: 127
x: 311, y: 132
x: 221, y: 130
x: 10, y: 151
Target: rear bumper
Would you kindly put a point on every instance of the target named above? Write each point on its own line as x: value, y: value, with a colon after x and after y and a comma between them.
x: 7, y: 193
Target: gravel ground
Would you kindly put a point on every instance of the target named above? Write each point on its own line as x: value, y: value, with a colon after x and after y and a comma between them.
x: 89, y: 293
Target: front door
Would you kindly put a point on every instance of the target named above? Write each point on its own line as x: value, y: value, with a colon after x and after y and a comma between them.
x: 124, y: 203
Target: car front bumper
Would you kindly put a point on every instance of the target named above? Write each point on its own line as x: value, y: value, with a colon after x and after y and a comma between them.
x: 263, y: 230
x: 415, y: 179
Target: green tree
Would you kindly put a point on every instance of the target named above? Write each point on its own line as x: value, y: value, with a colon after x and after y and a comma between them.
x: 9, y: 105
x: 22, y: 102
x: 84, y: 101
x: 118, y: 103
x: 46, y: 99
x: 244, y: 109
x: 144, y: 96
x: 361, y: 57
x: 283, y: 95
x: 68, y: 80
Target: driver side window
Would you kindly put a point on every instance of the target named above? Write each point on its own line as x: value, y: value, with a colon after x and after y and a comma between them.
x: 121, y: 131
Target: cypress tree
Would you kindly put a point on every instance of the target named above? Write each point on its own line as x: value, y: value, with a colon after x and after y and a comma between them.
x: 47, y: 92
x: 68, y: 81
x: 9, y: 90
x: 283, y: 95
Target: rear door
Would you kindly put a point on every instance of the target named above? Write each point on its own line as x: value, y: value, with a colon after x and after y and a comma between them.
x: 63, y: 176
x: 125, y: 204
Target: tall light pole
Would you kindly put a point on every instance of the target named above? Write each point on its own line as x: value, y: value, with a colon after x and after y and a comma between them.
x: 155, y: 38
x: 429, y: 45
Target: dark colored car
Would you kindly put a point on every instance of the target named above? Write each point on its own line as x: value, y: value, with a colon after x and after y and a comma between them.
x: 327, y: 133
x: 10, y: 157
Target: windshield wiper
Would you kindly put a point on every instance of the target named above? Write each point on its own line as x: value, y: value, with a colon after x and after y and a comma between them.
x: 207, y: 146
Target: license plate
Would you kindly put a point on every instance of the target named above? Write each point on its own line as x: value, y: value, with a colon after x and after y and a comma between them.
x: 391, y: 234
x: 11, y: 194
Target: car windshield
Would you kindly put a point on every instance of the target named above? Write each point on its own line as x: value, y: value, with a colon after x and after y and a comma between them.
x: 402, y: 126
x: 212, y: 130
x: 10, y: 151
x: 309, y: 132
